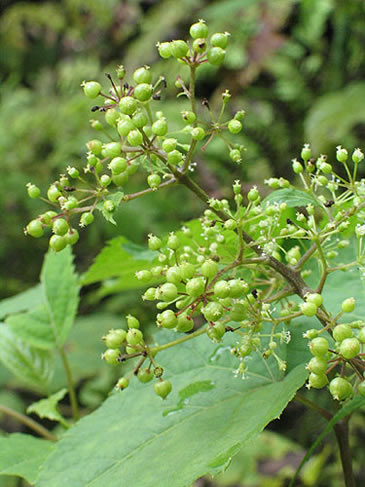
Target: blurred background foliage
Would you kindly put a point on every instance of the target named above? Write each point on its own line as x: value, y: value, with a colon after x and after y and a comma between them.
x: 295, y: 66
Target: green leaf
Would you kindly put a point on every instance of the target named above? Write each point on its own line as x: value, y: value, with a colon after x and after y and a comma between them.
x: 357, y: 403
x: 22, y: 455
x: 61, y: 292
x: 21, y: 302
x: 33, y: 366
x: 204, y: 422
x: 120, y: 259
x: 116, y: 198
x: 47, y: 408
x: 33, y: 327
x: 292, y: 197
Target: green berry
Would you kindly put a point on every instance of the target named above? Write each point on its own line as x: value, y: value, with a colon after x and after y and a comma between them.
x: 235, y: 155
x: 154, y: 181
x: 219, y: 39
x: 115, y: 338
x: 357, y: 156
x: 145, y: 375
x: 73, y: 172
x: 168, y: 292
x: 212, y: 311
x: 317, y: 381
x: 308, y: 309
x: 195, y: 287
x: 187, y: 270
x: 143, y: 92
x: 341, y: 154
x: 134, y: 337
x: 169, y: 145
x: 188, y: 117
x: 361, y: 388
x: 318, y: 346
x: 200, y: 45
x: 197, y: 133
x: 253, y: 194
x: 239, y: 311
x: 349, y: 348
x: 125, y: 126
x: 128, y: 105
x: 53, y: 193
x: 209, y: 268
x: 317, y: 365
x: 173, y: 242
x: 139, y: 119
x: 118, y: 165
x: 35, y: 229
x: 92, y: 89
x: 216, y: 56
x: 132, y: 321
x: 122, y: 384
x: 179, y: 49
x: 173, y: 274
x: 312, y: 333
x: 57, y: 242
x: 112, y: 149
x: 167, y: 319
x: 72, y: 236
x: 199, y: 30
x: 361, y: 335
x: 184, y: 323
x: 174, y: 157
x: 164, y: 49
x: 142, y: 75
x: 95, y: 146
x: 348, y: 305
x: 340, y: 388
x: 340, y: 332
x: 154, y: 243
x: 162, y: 388
x: 120, y: 179
x: 160, y: 127
x: 60, y: 226
x: 33, y: 191
x: 109, y: 206
x: 306, y: 152
x: 135, y: 138
x: 314, y: 298
x: 86, y: 219
x: 112, y: 117
x: 237, y: 287
x: 234, y: 126
x: 111, y: 356
x: 216, y: 332
x: 144, y: 275
x: 221, y: 289
x: 297, y: 167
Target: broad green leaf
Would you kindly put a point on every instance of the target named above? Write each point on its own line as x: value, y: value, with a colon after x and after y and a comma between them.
x: 61, y: 292
x: 120, y: 259
x: 33, y: 327
x: 116, y: 198
x: 22, y: 455
x: 32, y: 365
x: 47, y: 408
x: 292, y: 197
x: 357, y: 403
x: 198, y: 428
x: 21, y: 302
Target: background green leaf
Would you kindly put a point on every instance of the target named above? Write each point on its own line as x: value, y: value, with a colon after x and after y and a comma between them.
x: 61, y: 291
x: 47, y: 408
x: 32, y: 365
x: 292, y: 197
x: 22, y: 455
x: 198, y: 428
x: 22, y: 301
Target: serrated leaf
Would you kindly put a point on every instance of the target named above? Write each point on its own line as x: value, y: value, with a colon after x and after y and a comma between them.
x: 115, y: 198
x: 33, y: 366
x: 120, y: 259
x: 61, y: 292
x: 292, y: 197
x: 47, y: 408
x: 199, y: 436
x: 33, y: 327
x: 22, y: 455
x: 23, y: 301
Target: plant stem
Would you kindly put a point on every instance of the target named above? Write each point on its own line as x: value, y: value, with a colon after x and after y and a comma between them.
x: 342, y: 436
x: 38, y: 428
x: 71, y: 388
x: 312, y: 405
x: 159, y: 348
